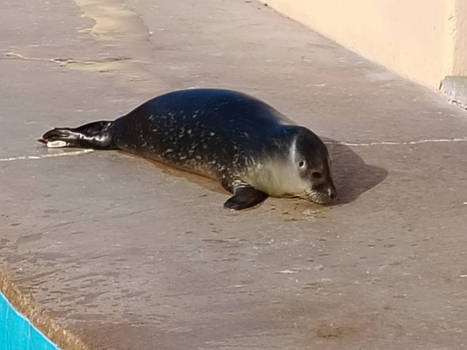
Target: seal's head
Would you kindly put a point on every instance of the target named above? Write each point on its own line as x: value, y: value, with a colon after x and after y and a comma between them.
x: 297, y: 165
x: 310, y: 157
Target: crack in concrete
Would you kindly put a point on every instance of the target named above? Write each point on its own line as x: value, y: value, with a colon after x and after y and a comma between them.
x: 398, y: 143
x: 10, y: 55
x: 102, y: 65
x: 350, y: 144
x: 44, y: 156
x: 66, y: 61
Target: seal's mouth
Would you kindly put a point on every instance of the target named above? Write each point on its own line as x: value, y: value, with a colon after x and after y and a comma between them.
x: 318, y: 197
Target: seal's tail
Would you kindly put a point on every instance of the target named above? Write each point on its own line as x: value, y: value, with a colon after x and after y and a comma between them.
x: 92, y: 135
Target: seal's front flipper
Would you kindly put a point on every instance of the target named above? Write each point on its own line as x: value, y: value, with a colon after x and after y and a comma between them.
x: 245, y: 197
x: 93, y: 135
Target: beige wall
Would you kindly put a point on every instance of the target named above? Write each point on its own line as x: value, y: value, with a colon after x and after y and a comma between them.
x: 460, y: 45
x: 424, y: 40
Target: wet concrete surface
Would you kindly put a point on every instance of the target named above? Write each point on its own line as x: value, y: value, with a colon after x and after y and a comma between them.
x: 128, y: 254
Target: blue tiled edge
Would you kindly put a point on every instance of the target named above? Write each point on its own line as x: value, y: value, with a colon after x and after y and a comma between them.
x: 17, y: 332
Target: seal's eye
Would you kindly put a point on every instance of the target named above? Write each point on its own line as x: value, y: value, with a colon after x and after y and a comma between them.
x: 301, y: 164
x: 316, y: 175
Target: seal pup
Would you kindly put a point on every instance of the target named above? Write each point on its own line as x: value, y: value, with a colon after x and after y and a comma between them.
x: 248, y: 146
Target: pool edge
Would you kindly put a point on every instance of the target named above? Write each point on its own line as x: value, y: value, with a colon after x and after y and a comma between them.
x: 38, y: 316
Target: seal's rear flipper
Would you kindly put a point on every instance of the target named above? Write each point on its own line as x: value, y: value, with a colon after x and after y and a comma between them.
x: 245, y: 197
x: 92, y: 135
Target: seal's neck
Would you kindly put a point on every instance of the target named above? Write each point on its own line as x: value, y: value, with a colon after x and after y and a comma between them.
x: 275, y: 172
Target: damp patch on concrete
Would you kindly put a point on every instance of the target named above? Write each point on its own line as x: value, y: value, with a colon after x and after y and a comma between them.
x: 113, y: 21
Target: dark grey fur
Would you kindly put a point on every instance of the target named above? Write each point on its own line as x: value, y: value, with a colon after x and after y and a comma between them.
x: 221, y: 134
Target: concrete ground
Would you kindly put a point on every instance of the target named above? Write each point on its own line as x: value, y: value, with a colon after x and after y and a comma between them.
x: 126, y: 254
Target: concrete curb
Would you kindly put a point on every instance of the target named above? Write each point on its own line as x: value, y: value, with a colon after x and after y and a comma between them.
x: 38, y: 316
x: 455, y: 87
